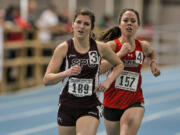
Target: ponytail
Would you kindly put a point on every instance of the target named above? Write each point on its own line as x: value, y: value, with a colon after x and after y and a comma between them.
x: 110, y: 34
x: 92, y: 35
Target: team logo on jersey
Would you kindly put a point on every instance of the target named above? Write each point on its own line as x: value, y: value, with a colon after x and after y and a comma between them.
x: 130, y: 55
x: 91, y: 62
x: 72, y: 55
x: 130, y: 63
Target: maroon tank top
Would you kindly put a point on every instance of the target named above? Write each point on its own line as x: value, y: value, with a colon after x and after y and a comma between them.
x: 79, y: 90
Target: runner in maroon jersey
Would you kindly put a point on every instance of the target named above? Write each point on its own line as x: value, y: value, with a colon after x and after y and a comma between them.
x: 77, y: 62
x: 123, y: 101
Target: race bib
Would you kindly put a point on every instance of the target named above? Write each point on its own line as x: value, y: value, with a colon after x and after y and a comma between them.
x: 80, y: 87
x: 127, y: 81
x: 139, y: 57
x: 93, y: 57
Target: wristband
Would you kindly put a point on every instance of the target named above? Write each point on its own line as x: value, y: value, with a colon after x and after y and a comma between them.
x: 153, y: 60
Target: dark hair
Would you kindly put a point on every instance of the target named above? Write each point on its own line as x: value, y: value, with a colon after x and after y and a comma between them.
x: 110, y: 34
x: 88, y: 13
x: 129, y: 9
x: 115, y: 32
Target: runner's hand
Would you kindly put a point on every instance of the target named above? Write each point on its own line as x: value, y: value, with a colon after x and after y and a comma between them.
x: 74, y: 70
x: 154, y: 69
x: 126, y: 47
x: 102, y: 86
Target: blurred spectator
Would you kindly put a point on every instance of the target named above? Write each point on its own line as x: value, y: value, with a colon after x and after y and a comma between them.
x: 32, y: 6
x: 32, y: 18
x: 11, y: 73
x: 106, y: 22
x: 1, y: 42
x: 13, y: 16
x: 20, y: 22
x: 145, y: 33
x: 1, y: 17
x: 15, y: 24
x: 47, y: 20
x: 9, y: 14
x: 63, y: 19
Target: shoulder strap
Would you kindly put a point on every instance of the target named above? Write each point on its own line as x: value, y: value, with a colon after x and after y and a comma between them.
x: 69, y: 41
x: 118, y: 45
x: 93, y: 45
x: 138, y: 44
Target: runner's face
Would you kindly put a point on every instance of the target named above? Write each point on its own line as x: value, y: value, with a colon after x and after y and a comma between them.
x: 82, y: 26
x: 129, y: 23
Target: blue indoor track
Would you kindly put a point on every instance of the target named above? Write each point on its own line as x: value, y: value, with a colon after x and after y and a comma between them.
x: 33, y: 111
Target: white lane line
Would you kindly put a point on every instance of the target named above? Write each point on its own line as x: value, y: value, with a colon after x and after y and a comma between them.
x: 151, y: 117
x: 43, y: 128
x: 148, y: 101
x: 20, y: 102
x: 154, y: 116
x: 36, y: 129
x: 160, y: 88
x: 160, y: 114
x: 28, y: 113
x: 27, y: 101
x: 46, y: 98
x: 26, y: 92
x: 146, y: 119
x: 102, y: 133
x: 162, y: 99
x: 30, y: 92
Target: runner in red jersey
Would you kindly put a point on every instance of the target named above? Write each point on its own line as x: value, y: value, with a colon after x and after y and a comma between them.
x: 127, y: 88
x: 123, y: 101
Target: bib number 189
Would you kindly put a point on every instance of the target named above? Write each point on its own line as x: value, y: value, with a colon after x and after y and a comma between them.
x: 80, y: 87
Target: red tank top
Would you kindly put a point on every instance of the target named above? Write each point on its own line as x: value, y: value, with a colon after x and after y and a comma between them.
x: 126, y: 90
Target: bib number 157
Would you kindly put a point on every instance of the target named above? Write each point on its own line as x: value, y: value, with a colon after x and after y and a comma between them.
x: 127, y: 81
